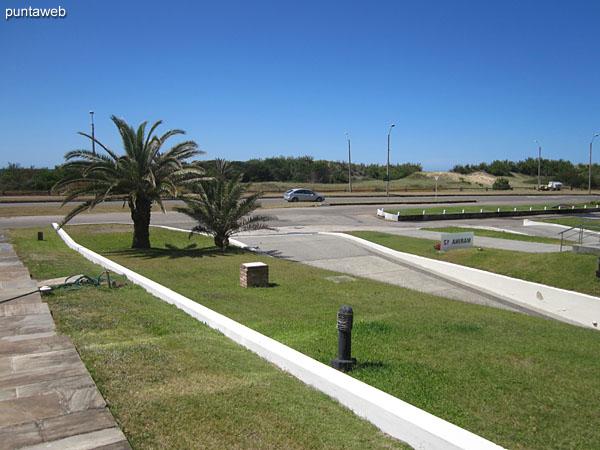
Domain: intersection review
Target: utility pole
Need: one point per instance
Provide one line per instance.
(93, 140)
(349, 162)
(539, 161)
(590, 168)
(387, 172)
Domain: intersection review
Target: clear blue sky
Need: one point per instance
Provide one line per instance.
(464, 81)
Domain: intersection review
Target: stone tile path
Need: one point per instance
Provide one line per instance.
(47, 398)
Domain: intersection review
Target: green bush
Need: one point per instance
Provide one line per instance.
(501, 184)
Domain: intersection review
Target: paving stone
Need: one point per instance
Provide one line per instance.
(19, 297)
(123, 445)
(45, 361)
(13, 273)
(38, 323)
(8, 394)
(76, 423)
(5, 366)
(74, 400)
(23, 309)
(27, 409)
(19, 284)
(28, 378)
(31, 346)
(56, 385)
(24, 337)
(94, 440)
(17, 436)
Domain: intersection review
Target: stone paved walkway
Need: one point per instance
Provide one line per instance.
(47, 398)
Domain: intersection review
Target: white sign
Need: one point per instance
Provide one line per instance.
(437, 177)
(452, 241)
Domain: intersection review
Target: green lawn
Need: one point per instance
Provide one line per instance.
(566, 270)
(487, 208)
(172, 382)
(496, 234)
(588, 224)
(520, 381)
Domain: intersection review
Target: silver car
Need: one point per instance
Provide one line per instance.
(302, 195)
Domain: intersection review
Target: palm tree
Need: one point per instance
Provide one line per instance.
(140, 177)
(221, 210)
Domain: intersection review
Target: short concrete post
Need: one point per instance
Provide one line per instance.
(423, 212)
(530, 208)
(545, 208)
(498, 209)
(463, 211)
(444, 212)
(481, 211)
(344, 361)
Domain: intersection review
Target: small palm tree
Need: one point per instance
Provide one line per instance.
(221, 210)
(140, 177)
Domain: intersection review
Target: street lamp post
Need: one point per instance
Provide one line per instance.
(539, 161)
(590, 168)
(93, 140)
(387, 172)
(349, 162)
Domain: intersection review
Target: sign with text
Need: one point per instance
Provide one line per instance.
(452, 241)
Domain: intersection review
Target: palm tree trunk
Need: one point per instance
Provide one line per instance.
(140, 214)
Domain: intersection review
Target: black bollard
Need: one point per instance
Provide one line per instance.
(344, 361)
(598, 271)
(40, 235)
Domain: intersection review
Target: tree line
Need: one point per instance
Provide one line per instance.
(575, 175)
(302, 169)
(305, 169)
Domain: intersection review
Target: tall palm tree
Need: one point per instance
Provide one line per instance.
(220, 209)
(140, 177)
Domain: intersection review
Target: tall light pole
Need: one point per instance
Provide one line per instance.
(349, 162)
(590, 168)
(387, 172)
(539, 161)
(93, 141)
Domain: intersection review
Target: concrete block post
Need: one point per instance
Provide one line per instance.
(254, 274)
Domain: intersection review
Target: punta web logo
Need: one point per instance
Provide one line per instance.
(35, 13)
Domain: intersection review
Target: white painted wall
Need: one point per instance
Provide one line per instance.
(390, 414)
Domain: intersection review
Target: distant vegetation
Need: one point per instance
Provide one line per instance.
(303, 169)
(559, 170)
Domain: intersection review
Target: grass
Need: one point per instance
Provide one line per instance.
(496, 234)
(172, 382)
(566, 270)
(588, 223)
(484, 208)
(483, 369)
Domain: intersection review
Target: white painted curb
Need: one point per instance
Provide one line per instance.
(393, 416)
(572, 306)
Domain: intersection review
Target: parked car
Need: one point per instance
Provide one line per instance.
(302, 195)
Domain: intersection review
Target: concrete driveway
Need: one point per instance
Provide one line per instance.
(342, 256)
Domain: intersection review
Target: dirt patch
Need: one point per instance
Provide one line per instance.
(474, 178)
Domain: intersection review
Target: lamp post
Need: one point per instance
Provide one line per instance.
(93, 140)
(590, 168)
(349, 162)
(387, 172)
(539, 161)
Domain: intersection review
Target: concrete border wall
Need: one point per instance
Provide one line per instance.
(574, 307)
(485, 215)
(393, 416)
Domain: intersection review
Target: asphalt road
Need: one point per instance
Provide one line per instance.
(318, 217)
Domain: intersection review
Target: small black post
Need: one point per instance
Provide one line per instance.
(344, 361)
(598, 271)
(40, 235)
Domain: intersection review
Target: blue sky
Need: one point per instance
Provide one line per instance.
(464, 81)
